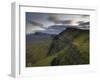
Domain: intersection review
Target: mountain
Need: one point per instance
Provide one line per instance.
(53, 30)
(45, 34)
(69, 47)
(36, 37)
(57, 29)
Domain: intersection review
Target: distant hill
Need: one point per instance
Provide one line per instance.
(53, 30)
(36, 37)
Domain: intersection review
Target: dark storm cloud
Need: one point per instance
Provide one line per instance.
(41, 21)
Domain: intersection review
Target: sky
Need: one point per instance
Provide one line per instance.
(41, 21)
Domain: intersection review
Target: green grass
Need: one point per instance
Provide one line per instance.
(76, 50)
(44, 62)
(37, 51)
(72, 50)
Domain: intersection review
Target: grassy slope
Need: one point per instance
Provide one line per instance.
(36, 52)
(77, 52)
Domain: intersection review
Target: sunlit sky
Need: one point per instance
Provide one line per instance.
(41, 21)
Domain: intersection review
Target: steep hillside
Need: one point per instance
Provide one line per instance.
(70, 47)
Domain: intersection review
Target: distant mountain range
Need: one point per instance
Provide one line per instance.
(51, 31)
(36, 37)
(56, 29)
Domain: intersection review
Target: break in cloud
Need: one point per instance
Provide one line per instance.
(41, 21)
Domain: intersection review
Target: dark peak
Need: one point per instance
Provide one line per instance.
(85, 23)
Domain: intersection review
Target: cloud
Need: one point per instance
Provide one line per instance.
(35, 23)
(30, 28)
(54, 18)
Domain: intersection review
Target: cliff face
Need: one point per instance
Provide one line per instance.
(70, 47)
